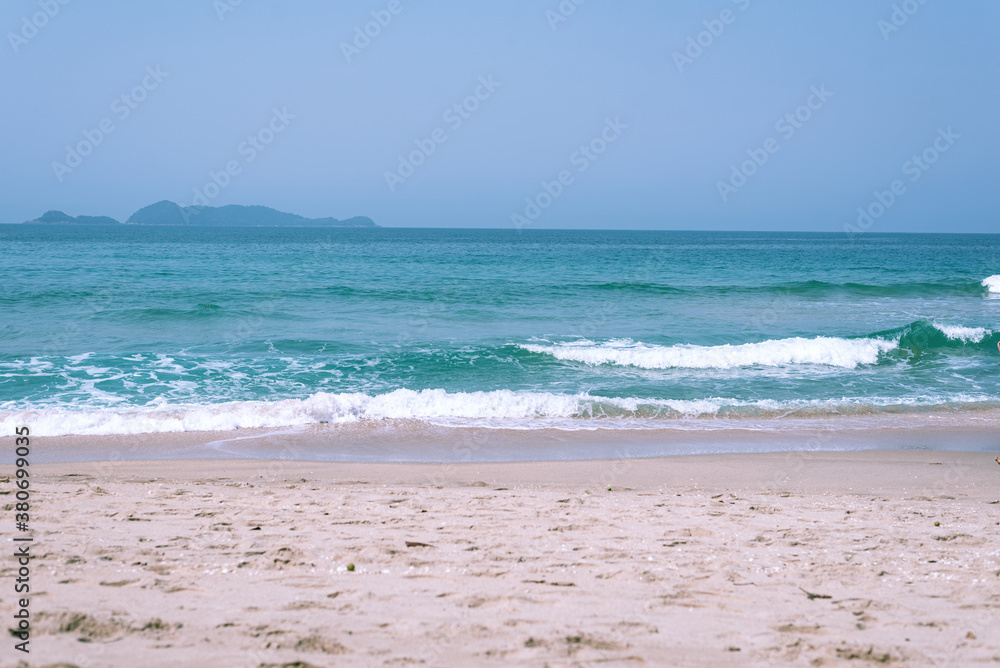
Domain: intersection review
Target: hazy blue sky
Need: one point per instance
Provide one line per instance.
(223, 68)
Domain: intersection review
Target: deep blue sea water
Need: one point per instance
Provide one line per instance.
(156, 329)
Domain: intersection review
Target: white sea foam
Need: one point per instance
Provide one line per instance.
(992, 283)
(964, 334)
(339, 408)
(822, 350)
(500, 408)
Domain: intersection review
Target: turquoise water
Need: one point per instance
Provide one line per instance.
(133, 330)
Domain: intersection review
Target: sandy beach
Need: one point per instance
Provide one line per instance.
(856, 558)
(455, 335)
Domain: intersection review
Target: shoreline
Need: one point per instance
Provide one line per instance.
(412, 441)
(855, 472)
(717, 560)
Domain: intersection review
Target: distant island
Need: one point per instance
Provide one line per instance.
(233, 215)
(60, 218)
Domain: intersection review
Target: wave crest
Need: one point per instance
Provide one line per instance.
(963, 334)
(323, 407)
(498, 408)
(822, 350)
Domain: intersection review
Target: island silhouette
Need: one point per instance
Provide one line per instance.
(231, 215)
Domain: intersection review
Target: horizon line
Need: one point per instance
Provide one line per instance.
(513, 229)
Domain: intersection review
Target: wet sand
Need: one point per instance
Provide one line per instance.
(418, 441)
(721, 560)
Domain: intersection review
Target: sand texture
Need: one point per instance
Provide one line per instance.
(805, 559)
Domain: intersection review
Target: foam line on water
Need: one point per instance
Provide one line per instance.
(503, 408)
(821, 350)
(964, 334)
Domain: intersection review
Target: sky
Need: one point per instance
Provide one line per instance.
(720, 114)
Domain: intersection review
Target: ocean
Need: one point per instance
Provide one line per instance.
(145, 330)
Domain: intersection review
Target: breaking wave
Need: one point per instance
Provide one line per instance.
(845, 353)
(499, 408)
(822, 350)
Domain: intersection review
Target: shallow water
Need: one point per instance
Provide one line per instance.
(155, 329)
